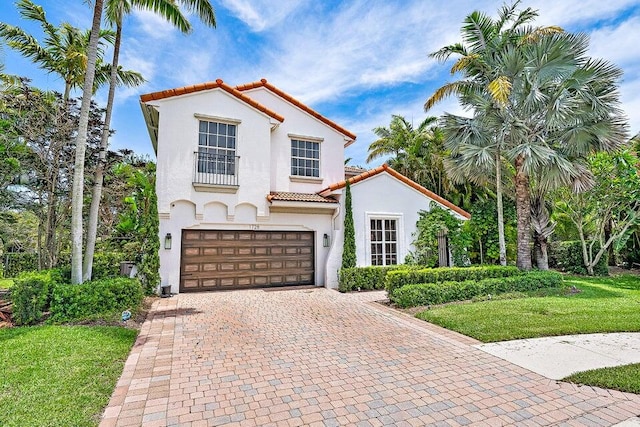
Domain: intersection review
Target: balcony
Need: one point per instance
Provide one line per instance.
(216, 173)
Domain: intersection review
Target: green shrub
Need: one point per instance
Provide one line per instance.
(106, 264)
(441, 292)
(31, 295)
(365, 278)
(98, 299)
(398, 279)
(19, 262)
(567, 256)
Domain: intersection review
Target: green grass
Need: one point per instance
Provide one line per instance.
(59, 375)
(623, 378)
(6, 283)
(605, 304)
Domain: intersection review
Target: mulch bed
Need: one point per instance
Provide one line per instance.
(6, 309)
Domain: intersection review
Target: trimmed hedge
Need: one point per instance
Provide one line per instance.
(31, 295)
(98, 299)
(365, 278)
(567, 256)
(397, 279)
(443, 292)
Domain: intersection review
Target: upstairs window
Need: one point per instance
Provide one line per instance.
(217, 148)
(305, 158)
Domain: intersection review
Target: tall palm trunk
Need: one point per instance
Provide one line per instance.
(500, 208)
(77, 195)
(96, 194)
(523, 213)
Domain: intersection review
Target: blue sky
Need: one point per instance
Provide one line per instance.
(356, 62)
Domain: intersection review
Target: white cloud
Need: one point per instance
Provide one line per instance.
(619, 43)
(153, 26)
(262, 14)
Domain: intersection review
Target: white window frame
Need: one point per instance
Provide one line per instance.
(230, 152)
(400, 236)
(311, 140)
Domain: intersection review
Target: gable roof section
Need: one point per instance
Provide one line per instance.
(169, 93)
(399, 177)
(300, 105)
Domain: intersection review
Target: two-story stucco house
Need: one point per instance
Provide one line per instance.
(249, 184)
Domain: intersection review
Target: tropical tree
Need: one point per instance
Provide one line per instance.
(116, 10)
(63, 50)
(605, 216)
(546, 104)
(415, 151)
(77, 194)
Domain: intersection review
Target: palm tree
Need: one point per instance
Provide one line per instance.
(116, 10)
(545, 102)
(415, 151)
(63, 51)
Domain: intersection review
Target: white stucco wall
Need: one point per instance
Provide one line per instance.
(264, 166)
(182, 216)
(383, 196)
(300, 123)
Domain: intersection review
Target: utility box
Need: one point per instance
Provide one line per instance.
(126, 267)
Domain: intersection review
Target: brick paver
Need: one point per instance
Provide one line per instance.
(310, 357)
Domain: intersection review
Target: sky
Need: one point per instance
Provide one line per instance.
(357, 62)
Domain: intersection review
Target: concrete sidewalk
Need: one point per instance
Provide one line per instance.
(559, 357)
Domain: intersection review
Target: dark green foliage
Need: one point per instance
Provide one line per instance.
(567, 256)
(98, 299)
(19, 262)
(106, 264)
(31, 295)
(365, 278)
(398, 279)
(428, 227)
(443, 292)
(140, 222)
(483, 231)
(349, 249)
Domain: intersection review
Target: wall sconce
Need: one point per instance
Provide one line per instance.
(167, 241)
(325, 240)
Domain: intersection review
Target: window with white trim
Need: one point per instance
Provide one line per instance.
(305, 158)
(217, 148)
(384, 241)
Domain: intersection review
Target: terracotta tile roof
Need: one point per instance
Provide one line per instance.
(299, 197)
(400, 177)
(353, 170)
(207, 86)
(292, 100)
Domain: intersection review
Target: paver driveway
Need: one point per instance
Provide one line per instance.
(317, 357)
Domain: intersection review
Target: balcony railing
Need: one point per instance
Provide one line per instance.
(215, 169)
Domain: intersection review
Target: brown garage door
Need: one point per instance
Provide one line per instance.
(226, 259)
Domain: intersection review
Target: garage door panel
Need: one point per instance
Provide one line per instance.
(224, 259)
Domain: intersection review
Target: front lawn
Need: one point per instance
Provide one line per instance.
(59, 375)
(604, 304)
(623, 378)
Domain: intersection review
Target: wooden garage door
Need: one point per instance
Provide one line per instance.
(227, 259)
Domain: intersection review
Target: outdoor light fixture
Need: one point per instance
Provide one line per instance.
(325, 240)
(167, 241)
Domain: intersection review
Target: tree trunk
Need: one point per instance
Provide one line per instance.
(500, 208)
(92, 226)
(523, 213)
(542, 253)
(77, 195)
